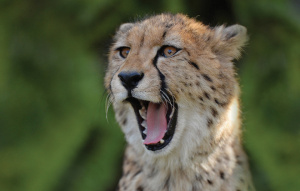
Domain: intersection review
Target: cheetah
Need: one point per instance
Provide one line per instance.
(172, 84)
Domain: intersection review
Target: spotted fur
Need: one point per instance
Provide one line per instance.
(205, 152)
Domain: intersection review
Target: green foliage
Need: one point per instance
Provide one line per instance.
(53, 131)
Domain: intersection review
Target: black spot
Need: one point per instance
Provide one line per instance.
(197, 83)
(214, 112)
(206, 77)
(164, 35)
(194, 64)
(124, 122)
(121, 112)
(239, 162)
(138, 172)
(238, 190)
(213, 88)
(133, 162)
(210, 182)
(219, 103)
(222, 175)
(207, 95)
(209, 122)
(200, 98)
(169, 25)
(140, 188)
(242, 180)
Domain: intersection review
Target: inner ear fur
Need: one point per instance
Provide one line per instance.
(227, 42)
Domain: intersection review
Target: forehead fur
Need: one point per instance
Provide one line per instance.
(160, 27)
(180, 30)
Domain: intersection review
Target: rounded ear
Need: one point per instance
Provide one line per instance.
(229, 41)
(122, 30)
(125, 27)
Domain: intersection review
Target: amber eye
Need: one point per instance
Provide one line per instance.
(169, 51)
(124, 51)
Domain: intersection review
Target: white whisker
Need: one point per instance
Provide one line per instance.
(108, 103)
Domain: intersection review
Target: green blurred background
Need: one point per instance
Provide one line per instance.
(53, 132)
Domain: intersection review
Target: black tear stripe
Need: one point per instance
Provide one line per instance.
(162, 77)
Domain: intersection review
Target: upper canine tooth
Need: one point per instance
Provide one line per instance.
(143, 113)
(162, 141)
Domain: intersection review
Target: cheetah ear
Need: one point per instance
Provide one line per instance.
(229, 41)
(122, 30)
(125, 27)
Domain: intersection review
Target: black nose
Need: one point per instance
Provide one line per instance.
(130, 79)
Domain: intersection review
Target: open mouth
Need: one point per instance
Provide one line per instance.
(157, 122)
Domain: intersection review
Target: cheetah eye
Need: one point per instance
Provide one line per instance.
(124, 51)
(168, 51)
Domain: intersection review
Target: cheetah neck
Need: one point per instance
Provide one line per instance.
(206, 167)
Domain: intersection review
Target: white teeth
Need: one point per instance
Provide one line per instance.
(172, 113)
(161, 141)
(144, 124)
(143, 113)
(145, 131)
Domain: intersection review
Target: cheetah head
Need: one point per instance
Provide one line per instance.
(170, 79)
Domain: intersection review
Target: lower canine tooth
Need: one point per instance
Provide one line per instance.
(144, 124)
(161, 141)
(172, 113)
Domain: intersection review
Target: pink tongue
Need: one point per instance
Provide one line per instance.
(156, 123)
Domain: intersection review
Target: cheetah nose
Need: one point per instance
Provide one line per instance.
(130, 79)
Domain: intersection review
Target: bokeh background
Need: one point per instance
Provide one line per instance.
(54, 135)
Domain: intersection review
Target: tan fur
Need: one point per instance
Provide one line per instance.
(205, 152)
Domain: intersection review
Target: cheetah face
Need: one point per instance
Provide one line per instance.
(169, 78)
(155, 110)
